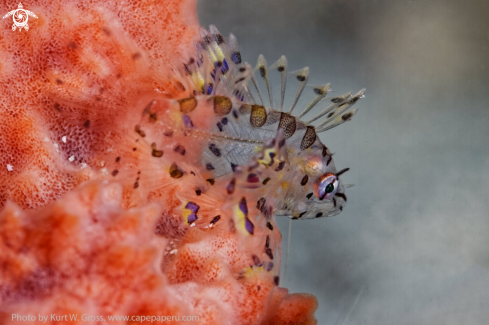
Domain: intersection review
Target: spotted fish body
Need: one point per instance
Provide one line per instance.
(219, 111)
(224, 145)
(233, 160)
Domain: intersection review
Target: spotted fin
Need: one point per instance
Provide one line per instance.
(252, 191)
(216, 68)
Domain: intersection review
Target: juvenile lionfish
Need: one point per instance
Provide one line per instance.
(233, 159)
(277, 157)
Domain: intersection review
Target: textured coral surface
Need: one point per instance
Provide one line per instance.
(69, 244)
(99, 259)
(32, 129)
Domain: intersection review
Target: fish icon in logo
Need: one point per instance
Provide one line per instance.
(20, 17)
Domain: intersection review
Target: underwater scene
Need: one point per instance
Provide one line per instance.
(410, 246)
(244, 162)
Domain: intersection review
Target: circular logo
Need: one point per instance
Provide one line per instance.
(20, 17)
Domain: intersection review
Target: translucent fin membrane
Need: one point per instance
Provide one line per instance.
(257, 88)
(262, 67)
(321, 91)
(302, 75)
(281, 66)
(336, 101)
(216, 68)
(341, 114)
(339, 111)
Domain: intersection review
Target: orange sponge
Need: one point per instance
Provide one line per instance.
(37, 143)
(73, 244)
(85, 255)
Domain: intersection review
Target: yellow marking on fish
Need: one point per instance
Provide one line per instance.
(266, 160)
(176, 118)
(185, 212)
(211, 55)
(240, 220)
(285, 185)
(253, 271)
(198, 80)
(218, 51)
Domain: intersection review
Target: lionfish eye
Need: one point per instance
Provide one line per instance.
(329, 188)
(325, 186)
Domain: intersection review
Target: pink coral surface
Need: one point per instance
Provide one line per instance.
(73, 243)
(102, 260)
(30, 61)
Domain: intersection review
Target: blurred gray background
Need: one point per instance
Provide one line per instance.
(412, 245)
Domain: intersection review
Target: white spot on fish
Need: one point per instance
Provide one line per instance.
(72, 158)
(10, 167)
(63, 139)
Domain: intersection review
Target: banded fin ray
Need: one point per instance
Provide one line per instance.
(220, 50)
(281, 66)
(321, 91)
(335, 103)
(342, 113)
(253, 209)
(262, 67)
(302, 76)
